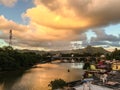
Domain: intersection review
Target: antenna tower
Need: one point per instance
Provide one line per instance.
(10, 37)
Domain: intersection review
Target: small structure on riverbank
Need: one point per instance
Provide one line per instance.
(93, 87)
(112, 83)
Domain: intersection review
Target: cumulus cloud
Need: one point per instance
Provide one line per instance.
(104, 39)
(19, 30)
(9, 24)
(49, 45)
(62, 18)
(75, 14)
(34, 35)
(58, 22)
(102, 36)
(8, 3)
(68, 19)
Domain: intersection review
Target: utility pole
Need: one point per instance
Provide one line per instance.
(10, 38)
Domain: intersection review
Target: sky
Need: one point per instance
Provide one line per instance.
(60, 24)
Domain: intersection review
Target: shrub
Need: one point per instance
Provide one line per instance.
(57, 83)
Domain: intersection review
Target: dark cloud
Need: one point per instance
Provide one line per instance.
(59, 22)
(53, 45)
(80, 6)
(96, 12)
(104, 39)
(102, 36)
(56, 45)
(51, 4)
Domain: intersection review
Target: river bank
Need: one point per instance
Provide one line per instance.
(38, 78)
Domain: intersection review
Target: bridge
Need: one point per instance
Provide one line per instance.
(71, 59)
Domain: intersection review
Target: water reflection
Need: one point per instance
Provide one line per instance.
(38, 78)
(7, 80)
(77, 65)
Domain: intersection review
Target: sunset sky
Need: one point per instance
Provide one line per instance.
(60, 24)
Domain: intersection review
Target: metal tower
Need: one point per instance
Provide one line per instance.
(10, 37)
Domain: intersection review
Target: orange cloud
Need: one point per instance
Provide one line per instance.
(34, 31)
(43, 16)
(40, 33)
(57, 20)
(74, 14)
(8, 3)
(9, 24)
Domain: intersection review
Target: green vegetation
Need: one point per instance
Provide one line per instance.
(114, 55)
(57, 83)
(11, 59)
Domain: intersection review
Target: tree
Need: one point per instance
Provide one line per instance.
(57, 83)
(115, 54)
(11, 59)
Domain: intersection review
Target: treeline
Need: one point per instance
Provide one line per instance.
(109, 56)
(113, 55)
(11, 59)
(82, 55)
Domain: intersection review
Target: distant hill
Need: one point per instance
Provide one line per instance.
(88, 49)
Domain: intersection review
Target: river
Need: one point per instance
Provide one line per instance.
(38, 78)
